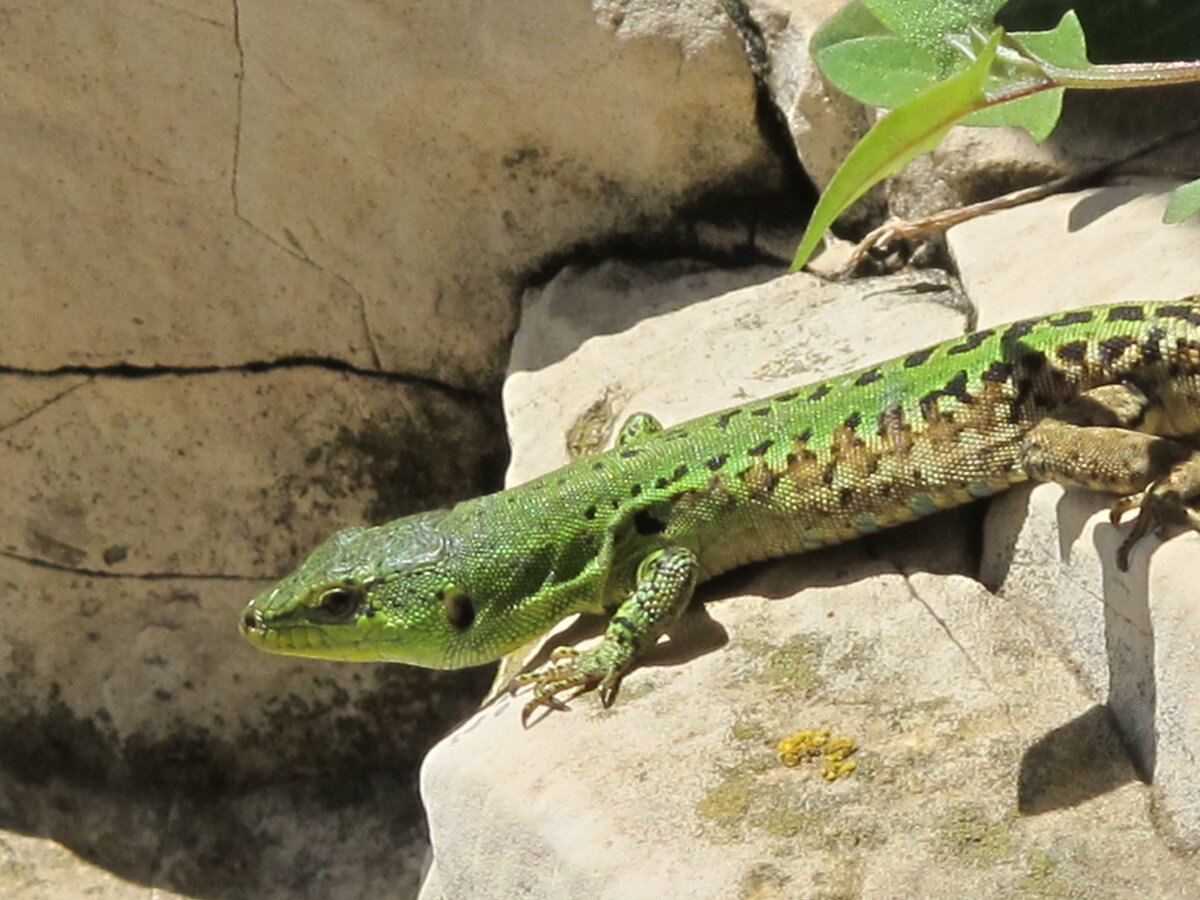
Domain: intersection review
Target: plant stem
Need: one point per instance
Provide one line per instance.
(1125, 75)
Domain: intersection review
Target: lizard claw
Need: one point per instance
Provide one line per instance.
(550, 704)
(569, 668)
(1123, 505)
(665, 581)
(1165, 502)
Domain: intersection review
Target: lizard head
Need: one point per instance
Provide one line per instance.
(382, 594)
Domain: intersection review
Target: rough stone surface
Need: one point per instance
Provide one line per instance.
(823, 122)
(136, 727)
(983, 771)
(139, 491)
(1107, 244)
(124, 242)
(1171, 744)
(334, 831)
(973, 164)
(39, 869)
(223, 182)
(1130, 636)
(431, 155)
(1031, 532)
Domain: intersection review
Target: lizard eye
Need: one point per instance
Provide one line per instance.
(460, 609)
(338, 602)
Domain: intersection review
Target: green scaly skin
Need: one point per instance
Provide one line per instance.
(1104, 397)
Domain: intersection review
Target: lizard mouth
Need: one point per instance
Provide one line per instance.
(297, 639)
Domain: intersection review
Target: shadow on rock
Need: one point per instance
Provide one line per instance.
(1074, 763)
(348, 833)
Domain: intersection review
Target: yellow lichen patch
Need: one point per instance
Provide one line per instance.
(816, 744)
(835, 762)
(801, 746)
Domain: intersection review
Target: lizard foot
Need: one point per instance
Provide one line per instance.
(665, 580)
(1159, 507)
(570, 668)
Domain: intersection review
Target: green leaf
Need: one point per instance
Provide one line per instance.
(1038, 113)
(886, 52)
(1064, 45)
(905, 133)
(851, 21)
(1185, 202)
(882, 70)
(926, 21)
(855, 70)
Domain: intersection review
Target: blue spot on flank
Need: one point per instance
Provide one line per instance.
(865, 524)
(979, 489)
(922, 504)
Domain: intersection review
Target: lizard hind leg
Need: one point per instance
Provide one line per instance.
(665, 582)
(1091, 443)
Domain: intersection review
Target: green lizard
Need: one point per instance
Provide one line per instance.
(1106, 397)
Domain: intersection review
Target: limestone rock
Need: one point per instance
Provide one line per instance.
(431, 156)
(212, 184)
(982, 770)
(136, 727)
(823, 122)
(147, 520)
(1101, 245)
(39, 869)
(1130, 636)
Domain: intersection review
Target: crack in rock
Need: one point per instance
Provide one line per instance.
(132, 576)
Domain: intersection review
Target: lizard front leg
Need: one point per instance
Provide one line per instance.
(665, 582)
(1089, 443)
(637, 427)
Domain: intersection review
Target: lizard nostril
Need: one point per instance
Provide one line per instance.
(251, 621)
